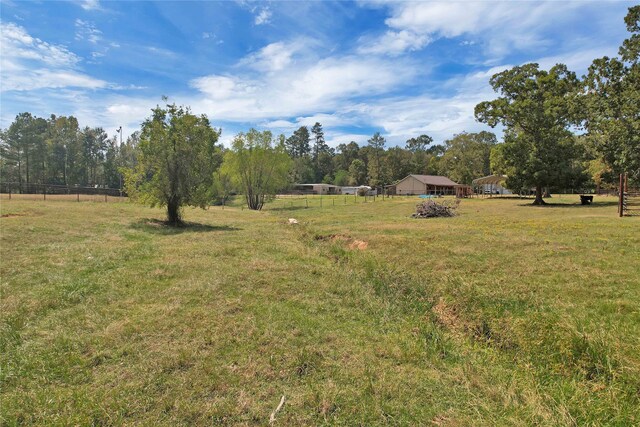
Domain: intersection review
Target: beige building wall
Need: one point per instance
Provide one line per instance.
(410, 186)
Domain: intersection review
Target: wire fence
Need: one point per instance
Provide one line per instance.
(24, 191)
(294, 201)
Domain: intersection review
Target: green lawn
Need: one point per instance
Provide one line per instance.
(505, 315)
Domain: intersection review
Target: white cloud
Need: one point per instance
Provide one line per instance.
(17, 44)
(47, 78)
(87, 31)
(503, 26)
(90, 5)
(308, 88)
(394, 43)
(223, 87)
(28, 63)
(263, 17)
(274, 56)
(578, 61)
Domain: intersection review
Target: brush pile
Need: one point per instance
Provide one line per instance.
(432, 209)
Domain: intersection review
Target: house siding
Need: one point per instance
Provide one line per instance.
(410, 186)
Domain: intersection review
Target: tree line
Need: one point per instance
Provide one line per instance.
(57, 151)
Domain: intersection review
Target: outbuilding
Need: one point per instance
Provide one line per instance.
(317, 189)
(426, 184)
(491, 184)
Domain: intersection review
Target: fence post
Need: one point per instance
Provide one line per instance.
(78, 196)
(621, 196)
(105, 197)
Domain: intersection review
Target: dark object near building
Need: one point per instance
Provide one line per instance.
(586, 200)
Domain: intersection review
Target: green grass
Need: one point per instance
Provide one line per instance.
(505, 315)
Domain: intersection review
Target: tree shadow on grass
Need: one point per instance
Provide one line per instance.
(291, 208)
(595, 204)
(156, 226)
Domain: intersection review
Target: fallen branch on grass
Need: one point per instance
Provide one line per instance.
(272, 418)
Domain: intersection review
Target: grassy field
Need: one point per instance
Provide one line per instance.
(359, 315)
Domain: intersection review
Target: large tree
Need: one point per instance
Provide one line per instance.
(347, 153)
(376, 150)
(66, 164)
(322, 153)
(24, 148)
(94, 142)
(298, 143)
(177, 158)
(418, 144)
(612, 100)
(537, 109)
(468, 156)
(357, 172)
(258, 165)
(396, 163)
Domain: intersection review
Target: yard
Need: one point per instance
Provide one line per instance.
(507, 314)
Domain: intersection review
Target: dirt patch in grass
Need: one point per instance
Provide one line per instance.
(353, 244)
(358, 244)
(447, 316)
(11, 215)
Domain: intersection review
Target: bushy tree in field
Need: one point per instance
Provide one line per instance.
(258, 165)
(177, 157)
(537, 108)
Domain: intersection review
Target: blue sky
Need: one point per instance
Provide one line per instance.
(402, 69)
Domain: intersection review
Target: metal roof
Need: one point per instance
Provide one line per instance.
(490, 179)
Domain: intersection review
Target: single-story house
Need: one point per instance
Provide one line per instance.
(317, 189)
(426, 184)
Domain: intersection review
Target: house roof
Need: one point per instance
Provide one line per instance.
(321, 184)
(441, 181)
(491, 179)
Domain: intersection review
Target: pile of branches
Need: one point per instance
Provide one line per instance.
(432, 209)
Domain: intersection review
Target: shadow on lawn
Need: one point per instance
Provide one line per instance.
(156, 226)
(290, 208)
(595, 204)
